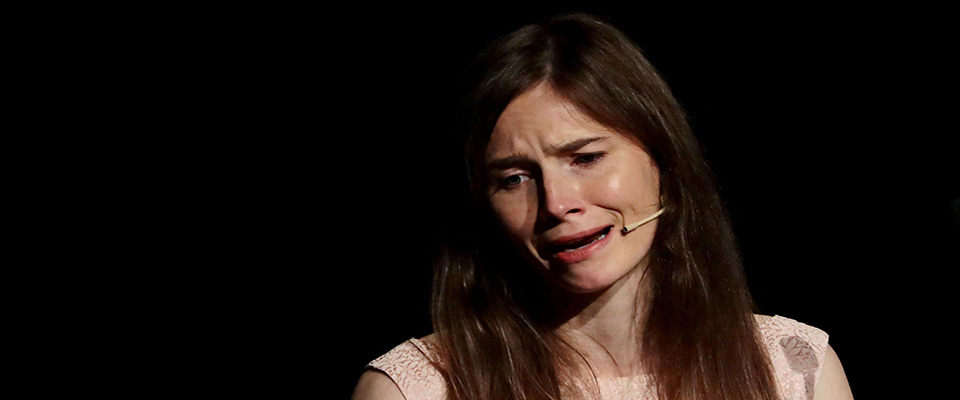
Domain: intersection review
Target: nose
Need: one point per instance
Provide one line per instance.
(560, 197)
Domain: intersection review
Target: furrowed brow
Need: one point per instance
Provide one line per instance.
(520, 160)
(508, 162)
(573, 146)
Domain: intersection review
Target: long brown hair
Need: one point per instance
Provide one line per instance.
(699, 336)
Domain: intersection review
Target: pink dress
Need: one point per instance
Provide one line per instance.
(796, 351)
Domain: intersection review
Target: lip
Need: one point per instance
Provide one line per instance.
(581, 254)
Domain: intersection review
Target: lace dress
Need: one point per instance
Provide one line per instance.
(795, 349)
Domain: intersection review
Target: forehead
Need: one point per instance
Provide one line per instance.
(537, 119)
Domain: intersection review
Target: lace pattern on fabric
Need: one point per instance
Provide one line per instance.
(796, 351)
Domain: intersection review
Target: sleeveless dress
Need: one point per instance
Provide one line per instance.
(796, 352)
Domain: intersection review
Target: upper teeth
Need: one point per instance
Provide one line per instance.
(603, 235)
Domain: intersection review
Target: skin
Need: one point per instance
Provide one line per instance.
(375, 385)
(832, 384)
(553, 188)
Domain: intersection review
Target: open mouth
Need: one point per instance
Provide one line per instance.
(581, 242)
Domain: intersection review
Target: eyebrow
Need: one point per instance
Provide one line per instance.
(569, 147)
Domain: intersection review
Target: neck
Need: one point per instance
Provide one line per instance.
(603, 325)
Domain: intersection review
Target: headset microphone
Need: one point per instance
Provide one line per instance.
(635, 225)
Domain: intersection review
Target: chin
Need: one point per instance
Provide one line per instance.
(589, 279)
(584, 284)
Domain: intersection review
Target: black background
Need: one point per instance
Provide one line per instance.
(829, 130)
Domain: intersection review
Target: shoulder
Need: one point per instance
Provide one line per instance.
(412, 368)
(786, 332)
(797, 353)
(420, 353)
(376, 385)
(833, 382)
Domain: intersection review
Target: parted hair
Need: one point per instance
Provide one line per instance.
(699, 336)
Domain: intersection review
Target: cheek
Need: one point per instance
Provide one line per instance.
(630, 191)
(515, 213)
(616, 188)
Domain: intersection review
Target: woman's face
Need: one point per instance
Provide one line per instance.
(563, 186)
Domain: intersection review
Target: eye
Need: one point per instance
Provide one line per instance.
(515, 180)
(586, 159)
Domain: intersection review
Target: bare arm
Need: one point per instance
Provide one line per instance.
(833, 383)
(376, 385)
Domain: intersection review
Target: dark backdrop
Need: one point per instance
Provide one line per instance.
(824, 126)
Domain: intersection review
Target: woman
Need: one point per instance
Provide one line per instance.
(600, 263)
